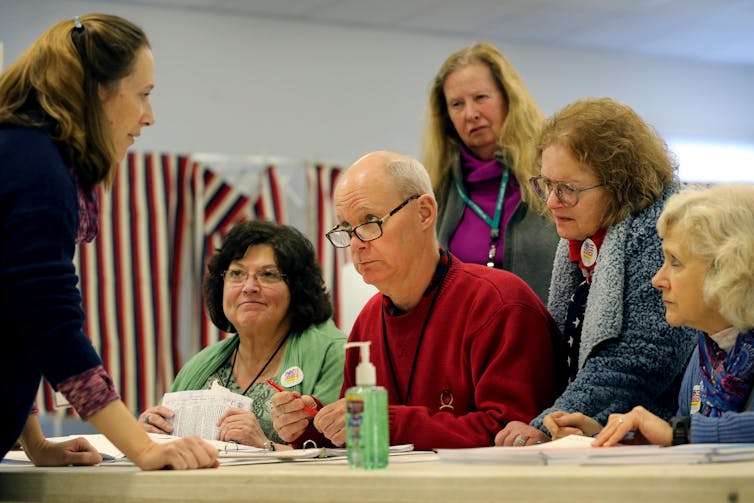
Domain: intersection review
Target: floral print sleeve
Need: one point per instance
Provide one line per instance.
(89, 391)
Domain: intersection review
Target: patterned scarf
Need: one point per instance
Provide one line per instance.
(577, 303)
(88, 212)
(573, 325)
(727, 377)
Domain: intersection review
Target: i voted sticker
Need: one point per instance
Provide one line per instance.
(696, 399)
(588, 253)
(291, 377)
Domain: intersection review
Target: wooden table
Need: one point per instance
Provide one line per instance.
(429, 481)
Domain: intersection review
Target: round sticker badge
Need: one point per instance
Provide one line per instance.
(291, 377)
(696, 399)
(588, 253)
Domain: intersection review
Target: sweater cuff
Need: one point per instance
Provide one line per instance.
(89, 392)
(392, 418)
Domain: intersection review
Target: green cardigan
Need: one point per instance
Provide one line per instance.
(318, 351)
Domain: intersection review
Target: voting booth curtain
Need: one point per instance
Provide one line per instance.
(163, 218)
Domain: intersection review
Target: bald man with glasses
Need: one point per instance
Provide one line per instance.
(461, 348)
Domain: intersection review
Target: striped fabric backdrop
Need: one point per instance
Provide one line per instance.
(141, 277)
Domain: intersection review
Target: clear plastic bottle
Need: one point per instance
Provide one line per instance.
(367, 436)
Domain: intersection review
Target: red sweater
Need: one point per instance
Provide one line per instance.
(490, 350)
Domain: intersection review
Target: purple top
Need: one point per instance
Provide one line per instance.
(471, 240)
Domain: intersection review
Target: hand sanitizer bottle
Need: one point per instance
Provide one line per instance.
(367, 436)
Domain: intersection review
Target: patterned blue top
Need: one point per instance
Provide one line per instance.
(730, 427)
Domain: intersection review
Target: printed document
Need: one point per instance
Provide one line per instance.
(197, 411)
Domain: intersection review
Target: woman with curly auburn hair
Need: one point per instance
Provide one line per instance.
(604, 176)
(481, 125)
(263, 284)
(70, 106)
(706, 283)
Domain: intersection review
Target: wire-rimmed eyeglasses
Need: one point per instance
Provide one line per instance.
(235, 276)
(368, 231)
(567, 194)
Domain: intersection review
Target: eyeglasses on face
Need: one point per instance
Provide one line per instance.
(268, 276)
(567, 194)
(368, 231)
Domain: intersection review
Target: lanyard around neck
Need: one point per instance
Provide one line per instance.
(401, 399)
(233, 366)
(494, 221)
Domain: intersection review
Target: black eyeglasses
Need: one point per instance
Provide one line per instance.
(368, 231)
(567, 194)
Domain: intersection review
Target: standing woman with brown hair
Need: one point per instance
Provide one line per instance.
(478, 149)
(70, 106)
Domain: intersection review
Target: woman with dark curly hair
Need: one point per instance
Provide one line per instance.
(265, 285)
(605, 175)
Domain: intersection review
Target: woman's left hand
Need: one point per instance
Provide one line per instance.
(646, 428)
(241, 426)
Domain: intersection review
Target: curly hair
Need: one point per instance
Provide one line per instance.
(294, 256)
(55, 83)
(441, 140)
(618, 147)
(717, 225)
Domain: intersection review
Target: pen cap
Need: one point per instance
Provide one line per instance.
(366, 375)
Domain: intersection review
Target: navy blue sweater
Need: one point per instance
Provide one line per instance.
(40, 304)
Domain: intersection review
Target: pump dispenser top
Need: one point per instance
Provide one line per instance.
(366, 375)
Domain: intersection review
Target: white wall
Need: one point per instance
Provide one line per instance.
(241, 85)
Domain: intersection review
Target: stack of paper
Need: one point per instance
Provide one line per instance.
(197, 411)
(577, 450)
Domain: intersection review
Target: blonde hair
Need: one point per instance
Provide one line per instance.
(621, 150)
(441, 141)
(55, 83)
(717, 226)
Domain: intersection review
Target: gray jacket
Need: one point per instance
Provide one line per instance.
(629, 355)
(530, 238)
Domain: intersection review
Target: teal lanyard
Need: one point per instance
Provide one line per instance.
(493, 222)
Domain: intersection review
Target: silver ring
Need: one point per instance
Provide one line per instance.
(146, 419)
(520, 440)
(620, 420)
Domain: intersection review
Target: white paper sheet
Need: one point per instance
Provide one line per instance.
(197, 411)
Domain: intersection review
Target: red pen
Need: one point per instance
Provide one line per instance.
(272, 383)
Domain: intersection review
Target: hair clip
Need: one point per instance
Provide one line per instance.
(77, 23)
